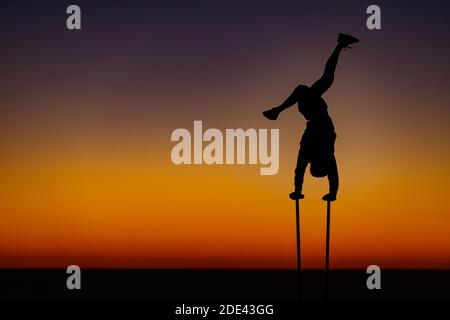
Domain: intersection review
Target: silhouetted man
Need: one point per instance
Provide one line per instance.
(317, 143)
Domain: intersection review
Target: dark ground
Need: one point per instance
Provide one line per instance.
(167, 285)
(167, 289)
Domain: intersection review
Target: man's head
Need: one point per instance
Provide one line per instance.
(318, 168)
(320, 164)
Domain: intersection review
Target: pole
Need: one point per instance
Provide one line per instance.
(299, 265)
(327, 248)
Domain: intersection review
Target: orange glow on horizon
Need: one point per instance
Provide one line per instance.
(116, 209)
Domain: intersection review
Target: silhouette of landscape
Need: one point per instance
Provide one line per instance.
(222, 285)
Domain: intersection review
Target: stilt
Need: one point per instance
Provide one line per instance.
(299, 265)
(327, 253)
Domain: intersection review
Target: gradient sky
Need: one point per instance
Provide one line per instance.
(86, 118)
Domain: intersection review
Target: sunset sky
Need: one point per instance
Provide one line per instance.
(86, 118)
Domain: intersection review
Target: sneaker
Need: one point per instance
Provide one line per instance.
(346, 40)
(271, 114)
